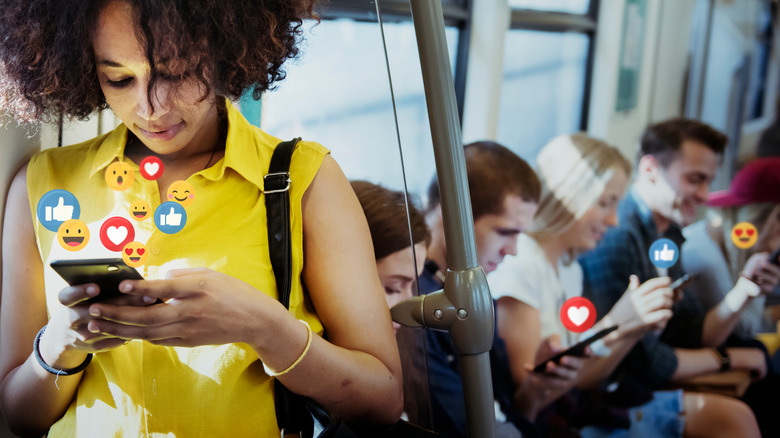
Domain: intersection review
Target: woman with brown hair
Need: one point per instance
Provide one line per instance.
(193, 349)
(401, 238)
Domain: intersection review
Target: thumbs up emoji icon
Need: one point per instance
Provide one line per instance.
(664, 253)
(170, 217)
(56, 207)
(60, 212)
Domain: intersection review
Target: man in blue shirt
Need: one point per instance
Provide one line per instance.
(504, 195)
(678, 160)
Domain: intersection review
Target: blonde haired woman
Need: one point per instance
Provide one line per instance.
(583, 179)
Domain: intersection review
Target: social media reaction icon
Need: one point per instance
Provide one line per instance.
(170, 217)
(140, 210)
(134, 254)
(181, 192)
(119, 175)
(116, 232)
(664, 253)
(744, 235)
(578, 314)
(73, 235)
(56, 207)
(151, 168)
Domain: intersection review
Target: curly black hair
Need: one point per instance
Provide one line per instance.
(47, 66)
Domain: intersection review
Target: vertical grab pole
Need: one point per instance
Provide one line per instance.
(466, 286)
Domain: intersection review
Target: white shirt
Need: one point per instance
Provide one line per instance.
(530, 278)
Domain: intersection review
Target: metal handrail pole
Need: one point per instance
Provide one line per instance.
(471, 326)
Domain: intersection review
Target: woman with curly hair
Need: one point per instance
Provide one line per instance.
(194, 348)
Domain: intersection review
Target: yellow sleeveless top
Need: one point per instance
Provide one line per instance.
(142, 389)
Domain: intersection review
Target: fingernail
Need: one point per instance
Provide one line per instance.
(93, 328)
(127, 287)
(94, 311)
(149, 300)
(92, 291)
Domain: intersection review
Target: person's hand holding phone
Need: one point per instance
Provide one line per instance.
(643, 307)
(199, 307)
(540, 388)
(761, 270)
(77, 300)
(68, 326)
(67, 339)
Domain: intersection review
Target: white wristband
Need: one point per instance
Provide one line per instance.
(743, 290)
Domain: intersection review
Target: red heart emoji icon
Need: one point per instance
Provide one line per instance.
(128, 251)
(141, 251)
(738, 232)
(750, 232)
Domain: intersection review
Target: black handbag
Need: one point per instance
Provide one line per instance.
(297, 415)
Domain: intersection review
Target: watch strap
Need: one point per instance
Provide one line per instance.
(723, 356)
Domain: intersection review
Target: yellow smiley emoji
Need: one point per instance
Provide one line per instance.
(73, 235)
(134, 254)
(139, 210)
(744, 235)
(181, 192)
(119, 175)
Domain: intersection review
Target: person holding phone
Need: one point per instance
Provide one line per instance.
(709, 251)
(504, 193)
(677, 161)
(583, 179)
(203, 360)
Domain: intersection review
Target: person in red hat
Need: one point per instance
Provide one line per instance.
(713, 255)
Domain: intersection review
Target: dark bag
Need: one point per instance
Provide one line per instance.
(297, 415)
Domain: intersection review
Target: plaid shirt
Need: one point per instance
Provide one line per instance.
(623, 251)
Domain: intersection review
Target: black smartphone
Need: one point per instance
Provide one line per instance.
(575, 350)
(106, 273)
(683, 281)
(774, 258)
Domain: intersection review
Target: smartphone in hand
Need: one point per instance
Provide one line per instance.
(106, 273)
(577, 349)
(681, 282)
(774, 258)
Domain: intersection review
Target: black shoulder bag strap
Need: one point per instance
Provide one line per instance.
(292, 417)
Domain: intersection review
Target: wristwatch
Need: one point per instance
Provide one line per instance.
(723, 357)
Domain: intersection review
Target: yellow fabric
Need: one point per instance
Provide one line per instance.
(146, 390)
(771, 340)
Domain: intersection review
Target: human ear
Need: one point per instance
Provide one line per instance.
(649, 167)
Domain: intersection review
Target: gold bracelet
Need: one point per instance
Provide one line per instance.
(309, 335)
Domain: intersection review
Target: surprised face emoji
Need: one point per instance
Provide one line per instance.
(120, 176)
(744, 235)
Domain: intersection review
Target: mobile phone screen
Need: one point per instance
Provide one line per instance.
(774, 258)
(682, 281)
(106, 273)
(575, 350)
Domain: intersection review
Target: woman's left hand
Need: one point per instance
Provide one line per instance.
(199, 307)
(761, 271)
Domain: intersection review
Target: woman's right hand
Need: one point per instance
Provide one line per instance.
(540, 389)
(66, 341)
(643, 308)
